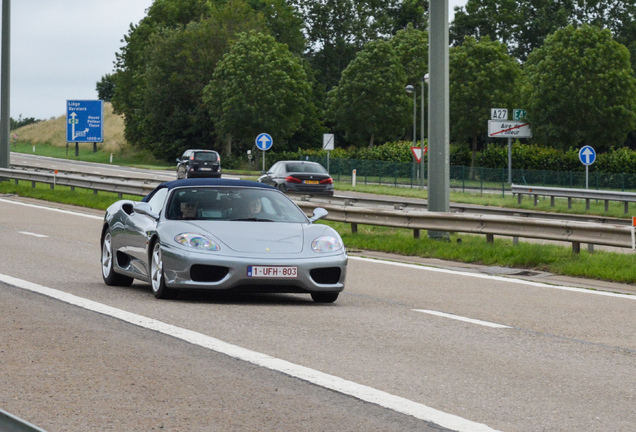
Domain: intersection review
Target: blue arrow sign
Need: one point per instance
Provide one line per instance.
(84, 121)
(587, 155)
(264, 141)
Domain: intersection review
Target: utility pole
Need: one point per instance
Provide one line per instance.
(5, 115)
(438, 112)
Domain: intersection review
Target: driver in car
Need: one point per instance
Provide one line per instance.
(189, 209)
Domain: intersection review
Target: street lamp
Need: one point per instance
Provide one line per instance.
(410, 89)
(422, 129)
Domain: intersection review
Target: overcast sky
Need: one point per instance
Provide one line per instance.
(61, 48)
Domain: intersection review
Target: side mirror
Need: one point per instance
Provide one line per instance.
(319, 213)
(145, 209)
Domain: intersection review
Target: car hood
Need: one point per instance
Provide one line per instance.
(257, 237)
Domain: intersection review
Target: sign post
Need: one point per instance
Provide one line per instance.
(500, 127)
(264, 142)
(587, 155)
(328, 144)
(84, 122)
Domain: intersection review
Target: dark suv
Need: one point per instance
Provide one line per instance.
(199, 163)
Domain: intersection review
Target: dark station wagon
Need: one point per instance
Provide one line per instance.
(199, 164)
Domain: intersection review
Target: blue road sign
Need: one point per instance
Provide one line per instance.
(587, 155)
(84, 121)
(264, 141)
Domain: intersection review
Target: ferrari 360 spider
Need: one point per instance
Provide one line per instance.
(221, 234)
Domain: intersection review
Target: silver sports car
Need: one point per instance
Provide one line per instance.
(221, 234)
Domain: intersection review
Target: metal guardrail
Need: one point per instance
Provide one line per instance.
(11, 423)
(586, 194)
(117, 185)
(509, 226)
(401, 216)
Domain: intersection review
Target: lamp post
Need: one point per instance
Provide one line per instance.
(422, 128)
(410, 89)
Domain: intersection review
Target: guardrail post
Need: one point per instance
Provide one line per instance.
(536, 200)
(587, 203)
(519, 198)
(569, 202)
(490, 238)
(416, 233)
(354, 228)
(626, 207)
(590, 248)
(552, 201)
(576, 247)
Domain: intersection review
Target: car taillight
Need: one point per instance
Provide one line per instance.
(327, 181)
(291, 179)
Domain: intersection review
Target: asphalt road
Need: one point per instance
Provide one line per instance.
(408, 346)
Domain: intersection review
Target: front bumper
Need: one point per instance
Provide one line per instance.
(225, 273)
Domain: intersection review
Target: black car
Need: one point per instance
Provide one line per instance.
(199, 163)
(300, 177)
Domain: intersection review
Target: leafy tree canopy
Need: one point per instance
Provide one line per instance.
(370, 102)
(258, 86)
(482, 76)
(580, 89)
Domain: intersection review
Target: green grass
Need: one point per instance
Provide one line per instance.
(473, 249)
(618, 267)
(63, 194)
(128, 156)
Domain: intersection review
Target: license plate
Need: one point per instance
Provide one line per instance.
(272, 272)
(311, 181)
(206, 169)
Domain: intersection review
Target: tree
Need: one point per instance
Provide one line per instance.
(521, 25)
(370, 102)
(180, 62)
(482, 76)
(105, 88)
(580, 89)
(131, 62)
(337, 29)
(170, 56)
(258, 86)
(411, 47)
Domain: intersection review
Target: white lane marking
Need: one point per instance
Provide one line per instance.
(461, 318)
(52, 209)
(32, 234)
(331, 382)
(497, 278)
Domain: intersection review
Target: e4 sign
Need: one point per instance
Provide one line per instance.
(84, 121)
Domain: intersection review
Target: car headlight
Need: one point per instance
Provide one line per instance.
(197, 241)
(326, 244)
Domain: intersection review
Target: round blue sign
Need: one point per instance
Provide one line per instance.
(587, 155)
(264, 141)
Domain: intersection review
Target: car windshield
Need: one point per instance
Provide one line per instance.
(232, 204)
(205, 156)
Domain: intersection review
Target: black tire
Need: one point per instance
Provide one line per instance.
(157, 279)
(324, 297)
(108, 273)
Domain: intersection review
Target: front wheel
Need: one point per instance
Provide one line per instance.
(157, 279)
(108, 273)
(324, 297)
